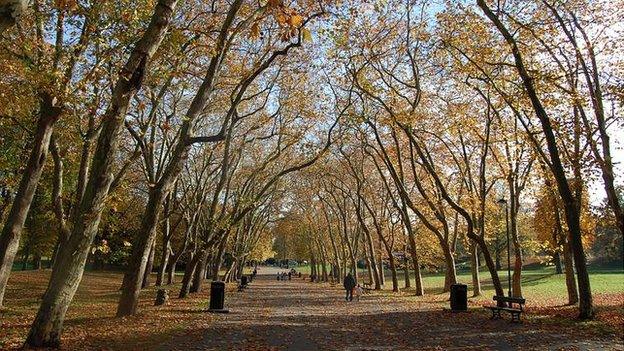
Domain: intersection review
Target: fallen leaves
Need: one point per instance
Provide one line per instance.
(297, 314)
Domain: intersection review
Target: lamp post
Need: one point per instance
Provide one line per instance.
(503, 203)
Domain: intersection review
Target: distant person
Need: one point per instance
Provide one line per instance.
(358, 292)
(289, 275)
(349, 285)
(255, 272)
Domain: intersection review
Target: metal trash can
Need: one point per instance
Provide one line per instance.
(243, 280)
(217, 297)
(459, 297)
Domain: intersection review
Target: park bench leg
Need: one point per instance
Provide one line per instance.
(515, 317)
(496, 314)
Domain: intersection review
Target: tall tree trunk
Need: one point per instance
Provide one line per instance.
(372, 261)
(218, 260)
(25, 256)
(420, 288)
(474, 268)
(569, 274)
(490, 264)
(66, 275)
(420, 291)
(391, 261)
(189, 271)
(149, 267)
(133, 278)
(393, 270)
(557, 262)
(37, 262)
(382, 275)
(200, 272)
(312, 268)
(164, 260)
(173, 262)
(324, 268)
(450, 277)
(407, 275)
(368, 268)
(14, 223)
(166, 244)
(513, 227)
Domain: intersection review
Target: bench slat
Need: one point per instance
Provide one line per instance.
(503, 309)
(509, 299)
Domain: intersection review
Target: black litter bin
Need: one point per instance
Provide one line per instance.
(459, 297)
(217, 297)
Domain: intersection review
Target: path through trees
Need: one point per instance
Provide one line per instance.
(300, 315)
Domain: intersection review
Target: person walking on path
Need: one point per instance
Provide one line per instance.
(349, 285)
(358, 292)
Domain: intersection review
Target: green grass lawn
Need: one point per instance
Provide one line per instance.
(537, 282)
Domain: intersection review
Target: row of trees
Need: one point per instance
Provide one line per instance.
(195, 132)
(448, 119)
(191, 109)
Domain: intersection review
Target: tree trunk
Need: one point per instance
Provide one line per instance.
(149, 267)
(133, 279)
(312, 268)
(474, 268)
(37, 262)
(393, 270)
(382, 275)
(200, 272)
(189, 271)
(450, 277)
(407, 276)
(324, 269)
(516, 280)
(569, 274)
(557, 262)
(517, 271)
(497, 255)
(25, 258)
(173, 262)
(164, 260)
(227, 277)
(490, 264)
(368, 266)
(420, 291)
(166, 247)
(14, 223)
(373, 262)
(66, 276)
(218, 260)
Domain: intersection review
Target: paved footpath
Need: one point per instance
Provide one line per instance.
(299, 315)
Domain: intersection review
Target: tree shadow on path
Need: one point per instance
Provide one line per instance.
(297, 315)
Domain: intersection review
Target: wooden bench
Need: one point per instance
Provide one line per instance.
(513, 305)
